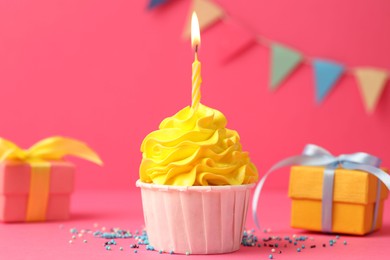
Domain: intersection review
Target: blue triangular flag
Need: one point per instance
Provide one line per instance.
(326, 75)
(153, 3)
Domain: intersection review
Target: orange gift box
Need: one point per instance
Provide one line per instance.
(354, 196)
(16, 184)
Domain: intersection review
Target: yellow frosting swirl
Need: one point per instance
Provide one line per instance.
(193, 147)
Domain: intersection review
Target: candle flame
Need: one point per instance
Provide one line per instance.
(195, 32)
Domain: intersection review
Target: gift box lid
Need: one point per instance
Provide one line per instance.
(15, 178)
(349, 185)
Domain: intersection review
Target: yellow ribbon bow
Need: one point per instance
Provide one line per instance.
(39, 157)
(49, 149)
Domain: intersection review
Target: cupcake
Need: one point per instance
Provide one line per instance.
(195, 182)
(195, 179)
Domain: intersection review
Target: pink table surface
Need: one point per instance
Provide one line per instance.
(123, 209)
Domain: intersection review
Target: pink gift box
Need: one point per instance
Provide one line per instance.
(15, 186)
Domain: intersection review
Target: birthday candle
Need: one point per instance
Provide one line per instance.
(196, 65)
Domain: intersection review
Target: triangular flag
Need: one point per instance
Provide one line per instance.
(154, 3)
(284, 61)
(326, 75)
(371, 83)
(208, 14)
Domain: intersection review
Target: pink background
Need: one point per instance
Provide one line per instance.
(107, 72)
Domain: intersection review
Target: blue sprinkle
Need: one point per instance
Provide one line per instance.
(295, 243)
(171, 252)
(135, 251)
(270, 256)
(337, 237)
(276, 245)
(298, 249)
(160, 251)
(108, 248)
(303, 246)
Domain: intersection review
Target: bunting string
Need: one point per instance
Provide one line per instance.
(285, 59)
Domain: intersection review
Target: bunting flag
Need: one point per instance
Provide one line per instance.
(326, 75)
(208, 14)
(283, 61)
(371, 83)
(154, 3)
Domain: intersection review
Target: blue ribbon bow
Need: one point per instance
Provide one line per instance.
(314, 155)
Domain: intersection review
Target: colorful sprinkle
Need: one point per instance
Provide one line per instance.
(73, 231)
(249, 239)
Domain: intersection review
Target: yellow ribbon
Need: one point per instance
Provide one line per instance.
(39, 157)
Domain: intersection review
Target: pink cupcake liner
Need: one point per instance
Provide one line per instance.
(197, 219)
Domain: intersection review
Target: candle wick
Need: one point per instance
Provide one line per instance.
(196, 52)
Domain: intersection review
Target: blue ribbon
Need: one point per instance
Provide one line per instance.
(314, 155)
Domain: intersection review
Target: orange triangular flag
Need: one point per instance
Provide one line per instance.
(371, 83)
(208, 14)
